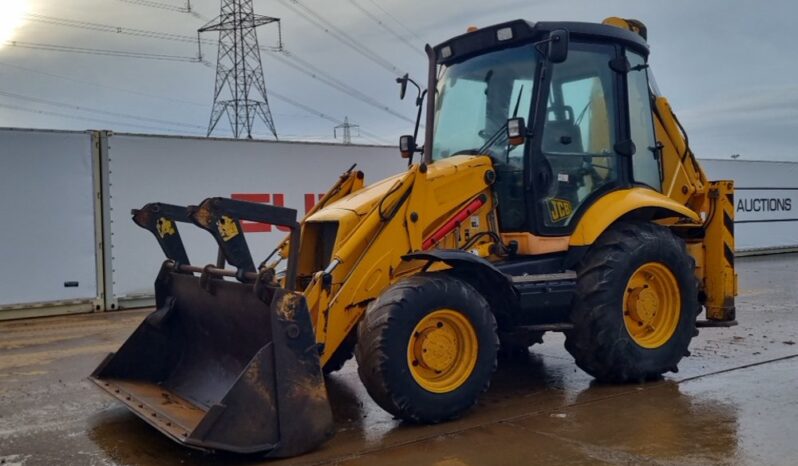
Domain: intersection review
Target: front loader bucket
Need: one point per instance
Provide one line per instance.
(224, 365)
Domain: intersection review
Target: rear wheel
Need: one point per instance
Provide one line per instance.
(427, 348)
(636, 304)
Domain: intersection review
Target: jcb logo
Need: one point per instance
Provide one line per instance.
(227, 228)
(560, 209)
(165, 227)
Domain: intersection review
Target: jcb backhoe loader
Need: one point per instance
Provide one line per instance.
(555, 191)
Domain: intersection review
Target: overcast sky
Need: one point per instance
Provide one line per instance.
(728, 67)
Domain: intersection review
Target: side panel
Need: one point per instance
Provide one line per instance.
(184, 171)
(48, 252)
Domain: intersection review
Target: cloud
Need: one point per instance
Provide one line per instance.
(761, 106)
(727, 67)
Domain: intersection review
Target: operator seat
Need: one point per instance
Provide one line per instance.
(562, 135)
(563, 149)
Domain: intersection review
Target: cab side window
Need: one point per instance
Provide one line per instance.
(645, 161)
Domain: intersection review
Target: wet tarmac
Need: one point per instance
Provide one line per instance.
(734, 401)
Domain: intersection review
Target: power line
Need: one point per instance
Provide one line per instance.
(86, 118)
(390, 30)
(325, 116)
(39, 100)
(341, 36)
(316, 73)
(113, 29)
(396, 20)
(128, 31)
(103, 86)
(168, 7)
(159, 5)
(284, 57)
(93, 51)
(308, 109)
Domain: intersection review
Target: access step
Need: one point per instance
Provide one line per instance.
(547, 295)
(568, 275)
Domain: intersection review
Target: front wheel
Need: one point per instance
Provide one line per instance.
(636, 303)
(427, 348)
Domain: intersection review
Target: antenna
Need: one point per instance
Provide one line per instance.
(240, 91)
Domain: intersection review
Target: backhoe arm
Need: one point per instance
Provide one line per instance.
(684, 181)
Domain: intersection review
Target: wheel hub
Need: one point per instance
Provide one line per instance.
(442, 351)
(438, 349)
(652, 305)
(643, 304)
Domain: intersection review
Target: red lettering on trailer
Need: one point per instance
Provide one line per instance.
(279, 201)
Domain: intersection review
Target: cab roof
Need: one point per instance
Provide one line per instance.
(522, 31)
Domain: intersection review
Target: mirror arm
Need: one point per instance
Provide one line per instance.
(431, 85)
(418, 88)
(419, 104)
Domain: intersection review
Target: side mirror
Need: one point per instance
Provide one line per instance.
(407, 146)
(402, 85)
(558, 46)
(516, 131)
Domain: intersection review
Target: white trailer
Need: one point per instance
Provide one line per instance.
(184, 171)
(69, 245)
(49, 243)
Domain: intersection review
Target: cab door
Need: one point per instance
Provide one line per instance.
(577, 157)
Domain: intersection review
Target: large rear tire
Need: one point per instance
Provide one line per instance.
(427, 348)
(636, 304)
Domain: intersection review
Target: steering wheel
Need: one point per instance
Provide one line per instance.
(590, 169)
(544, 175)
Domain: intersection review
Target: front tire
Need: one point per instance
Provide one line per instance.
(636, 304)
(341, 355)
(427, 348)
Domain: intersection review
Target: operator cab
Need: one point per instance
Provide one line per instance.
(583, 91)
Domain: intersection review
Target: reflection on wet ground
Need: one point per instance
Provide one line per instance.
(734, 401)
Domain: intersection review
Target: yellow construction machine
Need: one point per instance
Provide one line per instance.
(555, 190)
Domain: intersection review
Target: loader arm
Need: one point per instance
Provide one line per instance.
(712, 246)
(349, 182)
(369, 259)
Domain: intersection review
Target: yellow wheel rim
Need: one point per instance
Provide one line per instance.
(442, 351)
(652, 305)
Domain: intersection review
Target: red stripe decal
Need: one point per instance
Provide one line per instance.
(453, 223)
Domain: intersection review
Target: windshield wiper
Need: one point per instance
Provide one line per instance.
(495, 137)
(518, 101)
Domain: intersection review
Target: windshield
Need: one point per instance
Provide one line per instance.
(476, 97)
